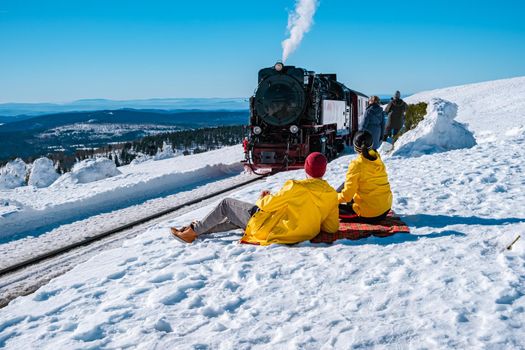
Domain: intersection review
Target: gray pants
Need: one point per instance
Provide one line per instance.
(230, 214)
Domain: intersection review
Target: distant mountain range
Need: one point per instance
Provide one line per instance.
(18, 111)
(73, 130)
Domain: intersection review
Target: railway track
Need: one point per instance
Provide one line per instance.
(26, 276)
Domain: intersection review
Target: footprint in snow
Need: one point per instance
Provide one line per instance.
(162, 278)
(230, 307)
(163, 326)
(490, 179)
(509, 298)
(117, 275)
(43, 296)
(90, 335)
(181, 292)
(128, 260)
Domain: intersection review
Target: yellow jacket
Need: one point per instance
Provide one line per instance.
(298, 212)
(367, 184)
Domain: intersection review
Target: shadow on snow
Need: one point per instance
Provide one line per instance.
(440, 221)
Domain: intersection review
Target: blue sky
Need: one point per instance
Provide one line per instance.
(57, 50)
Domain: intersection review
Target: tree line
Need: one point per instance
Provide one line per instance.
(186, 142)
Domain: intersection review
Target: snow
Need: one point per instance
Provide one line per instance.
(106, 130)
(489, 108)
(43, 173)
(437, 132)
(96, 186)
(13, 174)
(165, 153)
(89, 170)
(449, 284)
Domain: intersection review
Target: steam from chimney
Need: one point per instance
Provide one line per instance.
(299, 23)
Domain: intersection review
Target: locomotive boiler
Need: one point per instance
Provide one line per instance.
(295, 112)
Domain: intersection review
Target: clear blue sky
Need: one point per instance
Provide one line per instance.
(61, 50)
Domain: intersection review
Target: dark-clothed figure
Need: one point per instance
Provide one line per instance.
(374, 120)
(396, 110)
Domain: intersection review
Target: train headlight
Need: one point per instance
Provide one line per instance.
(278, 66)
(294, 129)
(257, 130)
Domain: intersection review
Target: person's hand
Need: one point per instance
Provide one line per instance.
(264, 193)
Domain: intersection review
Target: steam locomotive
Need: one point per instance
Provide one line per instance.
(295, 112)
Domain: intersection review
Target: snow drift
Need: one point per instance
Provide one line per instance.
(89, 170)
(96, 186)
(13, 174)
(488, 107)
(43, 173)
(437, 132)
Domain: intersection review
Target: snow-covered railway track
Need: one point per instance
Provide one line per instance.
(24, 277)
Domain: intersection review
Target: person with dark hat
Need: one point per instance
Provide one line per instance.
(366, 190)
(396, 111)
(298, 212)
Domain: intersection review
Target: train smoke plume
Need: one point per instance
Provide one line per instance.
(299, 23)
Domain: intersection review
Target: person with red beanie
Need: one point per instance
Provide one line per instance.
(296, 213)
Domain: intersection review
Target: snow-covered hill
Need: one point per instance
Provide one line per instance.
(491, 108)
(449, 284)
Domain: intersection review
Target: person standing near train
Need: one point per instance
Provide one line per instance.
(396, 110)
(374, 121)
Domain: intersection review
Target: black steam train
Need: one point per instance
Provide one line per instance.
(295, 112)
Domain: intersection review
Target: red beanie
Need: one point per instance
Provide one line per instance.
(315, 164)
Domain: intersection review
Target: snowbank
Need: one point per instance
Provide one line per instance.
(89, 170)
(489, 108)
(43, 173)
(437, 132)
(13, 174)
(30, 211)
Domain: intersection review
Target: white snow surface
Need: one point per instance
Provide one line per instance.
(165, 153)
(43, 173)
(490, 108)
(449, 284)
(89, 170)
(437, 132)
(13, 174)
(95, 186)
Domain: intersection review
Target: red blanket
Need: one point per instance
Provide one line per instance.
(357, 230)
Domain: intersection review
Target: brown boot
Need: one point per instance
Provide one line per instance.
(186, 235)
(175, 230)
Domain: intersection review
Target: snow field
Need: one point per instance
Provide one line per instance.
(223, 298)
(448, 284)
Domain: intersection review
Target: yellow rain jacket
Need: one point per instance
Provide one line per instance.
(298, 212)
(367, 184)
